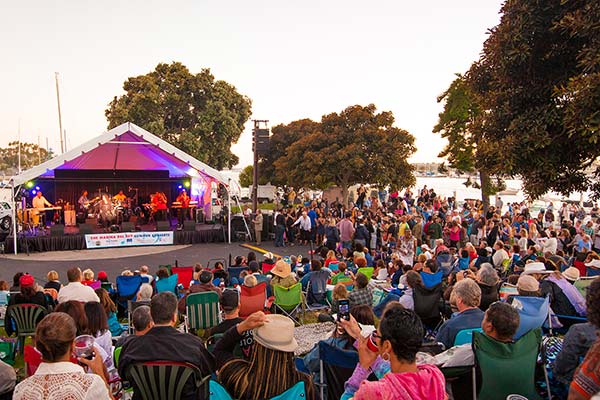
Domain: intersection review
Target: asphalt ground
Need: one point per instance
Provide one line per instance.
(114, 261)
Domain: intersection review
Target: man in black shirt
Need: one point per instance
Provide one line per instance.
(230, 305)
(164, 342)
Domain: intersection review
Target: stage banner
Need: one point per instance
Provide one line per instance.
(127, 239)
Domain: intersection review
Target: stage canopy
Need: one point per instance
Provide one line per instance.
(125, 147)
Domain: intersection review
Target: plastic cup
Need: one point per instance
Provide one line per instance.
(84, 346)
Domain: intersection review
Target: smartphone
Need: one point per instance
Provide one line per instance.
(344, 310)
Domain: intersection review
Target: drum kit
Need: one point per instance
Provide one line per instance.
(110, 211)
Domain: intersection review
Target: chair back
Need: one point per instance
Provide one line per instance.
(202, 310)
(431, 280)
(4, 296)
(507, 290)
(252, 299)
(127, 288)
(106, 286)
(288, 298)
(168, 284)
(533, 312)
(444, 263)
(334, 266)
(26, 317)
(296, 392)
(117, 355)
(582, 284)
(217, 392)
(184, 275)
(367, 271)
(517, 362)
(427, 304)
(164, 380)
(465, 336)
(267, 267)
(234, 272)
(335, 368)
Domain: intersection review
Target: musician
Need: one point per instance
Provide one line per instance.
(184, 211)
(83, 201)
(39, 202)
(159, 206)
(120, 196)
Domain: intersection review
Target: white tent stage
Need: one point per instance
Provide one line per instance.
(126, 158)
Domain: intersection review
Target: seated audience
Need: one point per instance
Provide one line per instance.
(270, 370)
(343, 274)
(465, 297)
(141, 319)
(88, 277)
(75, 290)
(230, 305)
(206, 285)
(98, 328)
(565, 299)
(487, 279)
(53, 282)
(362, 293)
(15, 287)
(8, 379)
(167, 344)
(282, 275)
(501, 322)
(28, 293)
(57, 377)
(145, 292)
(250, 281)
(110, 309)
(144, 273)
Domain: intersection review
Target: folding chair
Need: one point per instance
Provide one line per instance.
(583, 283)
(26, 318)
(165, 380)
(213, 261)
(431, 280)
(267, 267)
(3, 306)
(234, 272)
(107, 286)
(184, 275)
(253, 299)
(316, 291)
(367, 271)
(335, 266)
(517, 361)
(288, 300)
(335, 368)
(533, 312)
(127, 288)
(444, 263)
(95, 285)
(296, 392)
(202, 311)
(465, 336)
(427, 306)
(168, 284)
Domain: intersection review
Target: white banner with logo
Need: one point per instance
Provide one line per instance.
(127, 239)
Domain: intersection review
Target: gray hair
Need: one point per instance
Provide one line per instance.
(468, 291)
(145, 291)
(487, 275)
(141, 318)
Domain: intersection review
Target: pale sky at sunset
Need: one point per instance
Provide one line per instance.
(293, 59)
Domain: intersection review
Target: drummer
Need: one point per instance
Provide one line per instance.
(40, 202)
(120, 197)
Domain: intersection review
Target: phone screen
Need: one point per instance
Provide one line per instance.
(344, 311)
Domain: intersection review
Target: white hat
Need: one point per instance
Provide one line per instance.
(571, 274)
(593, 264)
(535, 268)
(277, 334)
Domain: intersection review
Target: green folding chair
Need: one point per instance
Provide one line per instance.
(289, 300)
(165, 380)
(516, 361)
(107, 286)
(367, 271)
(26, 318)
(202, 310)
(583, 283)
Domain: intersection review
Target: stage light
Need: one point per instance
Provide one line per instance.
(37, 188)
(179, 187)
(33, 192)
(186, 184)
(29, 185)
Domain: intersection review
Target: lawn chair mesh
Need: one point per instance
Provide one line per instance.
(336, 367)
(507, 368)
(202, 310)
(164, 380)
(288, 300)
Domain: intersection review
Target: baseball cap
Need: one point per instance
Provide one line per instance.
(229, 299)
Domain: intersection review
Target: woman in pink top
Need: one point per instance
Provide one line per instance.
(454, 234)
(398, 339)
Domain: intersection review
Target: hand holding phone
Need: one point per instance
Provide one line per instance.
(344, 310)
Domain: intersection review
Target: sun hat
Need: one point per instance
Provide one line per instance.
(281, 269)
(277, 334)
(26, 280)
(206, 276)
(535, 268)
(593, 264)
(528, 283)
(571, 274)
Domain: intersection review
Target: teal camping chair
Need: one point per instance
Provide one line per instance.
(167, 284)
(296, 392)
(465, 336)
(202, 310)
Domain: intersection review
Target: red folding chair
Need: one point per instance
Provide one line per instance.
(267, 267)
(184, 275)
(254, 299)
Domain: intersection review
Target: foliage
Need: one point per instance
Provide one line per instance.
(357, 145)
(31, 155)
(538, 79)
(196, 113)
(246, 177)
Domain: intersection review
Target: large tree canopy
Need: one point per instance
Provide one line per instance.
(198, 114)
(31, 155)
(357, 145)
(539, 82)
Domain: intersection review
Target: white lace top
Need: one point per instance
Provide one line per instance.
(61, 381)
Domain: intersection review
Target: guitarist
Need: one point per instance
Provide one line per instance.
(83, 202)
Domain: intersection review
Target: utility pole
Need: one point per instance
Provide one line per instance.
(62, 145)
(260, 146)
(19, 148)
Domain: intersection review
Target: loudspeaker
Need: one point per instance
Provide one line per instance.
(91, 221)
(86, 229)
(133, 219)
(163, 226)
(189, 226)
(57, 230)
(127, 226)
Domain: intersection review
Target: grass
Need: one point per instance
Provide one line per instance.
(261, 206)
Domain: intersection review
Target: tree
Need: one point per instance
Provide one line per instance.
(538, 80)
(196, 113)
(461, 124)
(357, 145)
(246, 176)
(31, 155)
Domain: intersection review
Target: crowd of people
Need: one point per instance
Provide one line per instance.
(412, 270)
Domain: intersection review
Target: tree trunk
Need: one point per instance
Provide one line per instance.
(344, 188)
(485, 183)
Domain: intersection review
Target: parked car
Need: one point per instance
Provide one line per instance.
(5, 216)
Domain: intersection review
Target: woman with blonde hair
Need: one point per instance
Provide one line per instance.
(88, 277)
(53, 282)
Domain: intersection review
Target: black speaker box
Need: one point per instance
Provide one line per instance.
(57, 230)
(127, 226)
(86, 229)
(163, 226)
(189, 226)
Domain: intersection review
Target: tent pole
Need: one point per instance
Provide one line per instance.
(229, 211)
(13, 206)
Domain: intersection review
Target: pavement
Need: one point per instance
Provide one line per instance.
(114, 261)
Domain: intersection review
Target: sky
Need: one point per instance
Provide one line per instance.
(293, 59)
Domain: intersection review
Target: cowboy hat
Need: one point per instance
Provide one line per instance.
(593, 264)
(571, 274)
(281, 269)
(535, 268)
(277, 334)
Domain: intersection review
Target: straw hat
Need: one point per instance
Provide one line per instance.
(277, 334)
(535, 268)
(281, 269)
(593, 263)
(571, 274)
(528, 283)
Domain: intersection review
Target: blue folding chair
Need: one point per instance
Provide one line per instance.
(533, 312)
(168, 284)
(234, 273)
(335, 368)
(127, 288)
(431, 280)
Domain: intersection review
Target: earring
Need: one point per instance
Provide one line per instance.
(386, 356)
